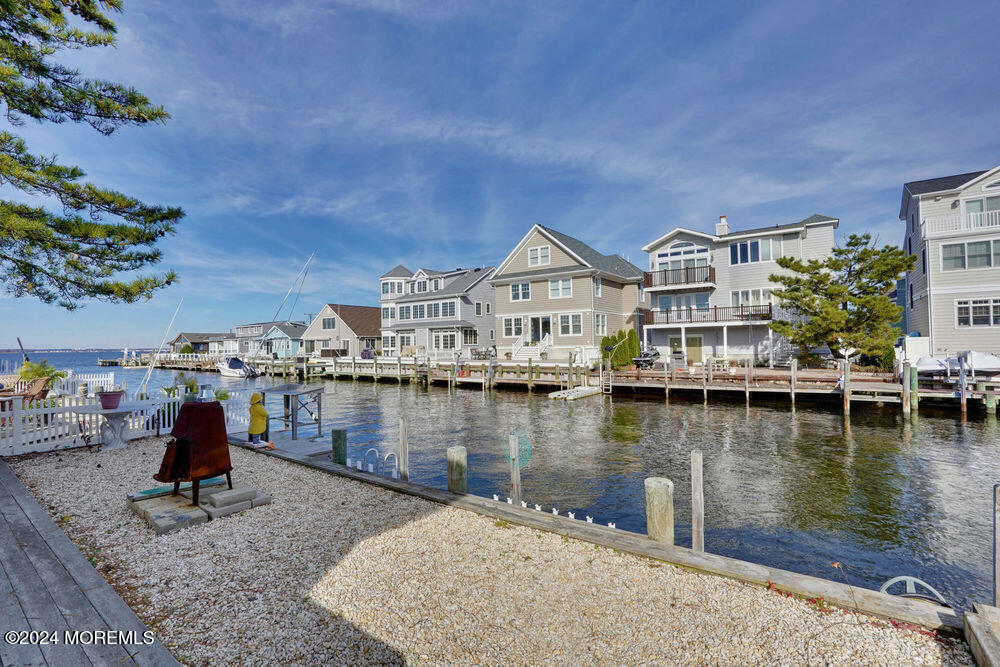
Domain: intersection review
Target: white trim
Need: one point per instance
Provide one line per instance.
(964, 289)
(521, 299)
(676, 230)
(990, 304)
(561, 295)
(539, 248)
(536, 228)
(570, 316)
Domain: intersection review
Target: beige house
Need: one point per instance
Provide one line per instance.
(555, 295)
(953, 293)
(340, 330)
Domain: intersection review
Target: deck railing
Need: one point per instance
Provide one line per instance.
(685, 276)
(761, 313)
(947, 224)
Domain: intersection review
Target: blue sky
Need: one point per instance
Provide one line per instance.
(377, 132)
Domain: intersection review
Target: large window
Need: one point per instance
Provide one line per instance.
(388, 342)
(404, 312)
(765, 249)
(970, 255)
(561, 288)
(520, 292)
(405, 340)
(697, 300)
(448, 309)
(470, 337)
(600, 324)
(571, 325)
(330, 322)
(538, 256)
(977, 312)
(682, 255)
(512, 327)
(434, 310)
(751, 297)
(418, 312)
(388, 312)
(444, 341)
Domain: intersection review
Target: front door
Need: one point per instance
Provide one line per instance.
(693, 347)
(539, 328)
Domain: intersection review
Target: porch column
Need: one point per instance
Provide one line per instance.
(770, 348)
(684, 345)
(725, 342)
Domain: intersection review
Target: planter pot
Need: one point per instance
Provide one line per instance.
(110, 399)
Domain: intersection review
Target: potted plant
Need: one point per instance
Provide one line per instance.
(110, 399)
(190, 384)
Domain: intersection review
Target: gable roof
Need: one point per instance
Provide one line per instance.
(365, 321)
(199, 337)
(399, 271)
(460, 285)
(813, 219)
(615, 265)
(934, 185)
(293, 330)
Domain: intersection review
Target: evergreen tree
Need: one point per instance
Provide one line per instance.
(843, 299)
(95, 245)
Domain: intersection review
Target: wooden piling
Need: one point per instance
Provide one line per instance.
(530, 382)
(906, 388)
(989, 400)
(404, 452)
(458, 470)
(338, 438)
(746, 380)
(704, 384)
(846, 389)
(399, 369)
(697, 503)
(914, 390)
(660, 509)
(515, 469)
(963, 385)
(793, 368)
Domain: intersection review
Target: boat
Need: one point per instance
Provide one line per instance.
(234, 367)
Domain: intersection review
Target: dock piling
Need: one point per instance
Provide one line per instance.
(660, 509)
(338, 438)
(404, 452)
(515, 468)
(697, 503)
(793, 367)
(907, 370)
(914, 391)
(846, 389)
(458, 470)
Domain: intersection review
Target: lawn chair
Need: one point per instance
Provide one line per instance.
(9, 383)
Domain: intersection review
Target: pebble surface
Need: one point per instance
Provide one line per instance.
(336, 571)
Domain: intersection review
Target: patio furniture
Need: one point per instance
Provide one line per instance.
(36, 391)
(114, 422)
(200, 449)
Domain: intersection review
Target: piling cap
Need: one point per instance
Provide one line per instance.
(654, 483)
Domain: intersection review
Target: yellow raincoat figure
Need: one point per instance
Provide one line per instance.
(258, 418)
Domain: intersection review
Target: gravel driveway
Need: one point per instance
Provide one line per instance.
(336, 571)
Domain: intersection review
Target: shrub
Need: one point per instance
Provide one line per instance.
(187, 349)
(34, 370)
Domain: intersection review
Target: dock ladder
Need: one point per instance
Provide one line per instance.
(607, 377)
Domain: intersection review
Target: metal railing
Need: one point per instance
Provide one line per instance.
(761, 313)
(685, 276)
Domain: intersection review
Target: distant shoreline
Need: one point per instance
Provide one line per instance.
(67, 350)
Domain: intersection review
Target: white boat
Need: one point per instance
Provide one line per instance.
(234, 367)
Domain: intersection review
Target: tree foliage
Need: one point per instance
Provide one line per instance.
(96, 243)
(622, 355)
(32, 370)
(842, 300)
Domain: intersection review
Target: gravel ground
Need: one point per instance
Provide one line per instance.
(336, 571)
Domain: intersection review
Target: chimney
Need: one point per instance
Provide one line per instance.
(722, 228)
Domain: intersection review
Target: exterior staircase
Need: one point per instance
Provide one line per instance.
(523, 351)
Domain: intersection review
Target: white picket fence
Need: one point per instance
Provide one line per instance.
(51, 424)
(71, 383)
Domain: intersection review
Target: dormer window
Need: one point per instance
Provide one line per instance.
(538, 256)
(436, 284)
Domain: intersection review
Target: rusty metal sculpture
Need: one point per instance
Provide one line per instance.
(199, 450)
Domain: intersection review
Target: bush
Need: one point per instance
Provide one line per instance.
(624, 353)
(187, 349)
(884, 359)
(32, 371)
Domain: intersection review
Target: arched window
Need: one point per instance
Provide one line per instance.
(682, 255)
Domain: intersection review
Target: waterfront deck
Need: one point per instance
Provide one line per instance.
(47, 585)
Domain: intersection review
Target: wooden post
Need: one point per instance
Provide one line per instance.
(996, 545)
(339, 440)
(697, 503)
(914, 390)
(990, 400)
(704, 383)
(667, 372)
(458, 470)
(335, 367)
(846, 389)
(515, 470)
(569, 372)
(660, 509)
(404, 452)
(793, 367)
(746, 380)
(906, 388)
(530, 382)
(354, 367)
(319, 414)
(399, 369)
(963, 389)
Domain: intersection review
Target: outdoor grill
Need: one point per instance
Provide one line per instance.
(199, 450)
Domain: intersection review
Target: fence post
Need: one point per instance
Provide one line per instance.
(404, 452)
(17, 424)
(660, 509)
(458, 470)
(906, 387)
(697, 502)
(338, 437)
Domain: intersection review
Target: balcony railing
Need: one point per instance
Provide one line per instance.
(685, 276)
(970, 222)
(760, 313)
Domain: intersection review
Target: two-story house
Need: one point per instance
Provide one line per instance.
(953, 293)
(250, 337)
(340, 330)
(438, 313)
(711, 295)
(555, 295)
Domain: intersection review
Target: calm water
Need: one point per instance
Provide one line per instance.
(795, 490)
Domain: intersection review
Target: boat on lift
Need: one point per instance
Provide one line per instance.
(234, 367)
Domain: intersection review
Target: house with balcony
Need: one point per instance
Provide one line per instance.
(711, 294)
(556, 296)
(953, 292)
(437, 313)
(340, 331)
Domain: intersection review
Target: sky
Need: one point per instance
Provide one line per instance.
(434, 134)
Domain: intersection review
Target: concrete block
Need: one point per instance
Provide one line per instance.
(203, 493)
(232, 496)
(165, 514)
(260, 499)
(159, 491)
(219, 512)
(170, 524)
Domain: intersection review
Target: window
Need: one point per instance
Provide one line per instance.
(492, 334)
(470, 337)
(682, 255)
(597, 286)
(978, 254)
(600, 325)
(413, 286)
(570, 325)
(371, 343)
(755, 250)
(326, 344)
(385, 287)
(479, 309)
(436, 284)
(977, 312)
(434, 310)
(911, 295)
(751, 297)
(512, 327)
(386, 313)
(489, 306)
(561, 288)
(330, 322)
(923, 259)
(448, 309)
(538, 256)
(405, 340)
(388, 342)
(418, 312)
(953, 256)
(520, 292)
(996, 252)
(444, 341)
(421, 285)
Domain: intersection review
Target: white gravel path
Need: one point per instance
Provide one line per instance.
(335, 571)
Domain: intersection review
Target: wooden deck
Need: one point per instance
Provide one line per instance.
(47, 585)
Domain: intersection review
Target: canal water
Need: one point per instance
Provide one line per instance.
(799, 490)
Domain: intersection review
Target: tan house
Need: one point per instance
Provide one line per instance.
(953, 293)
(555, 295)
(340, 330)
